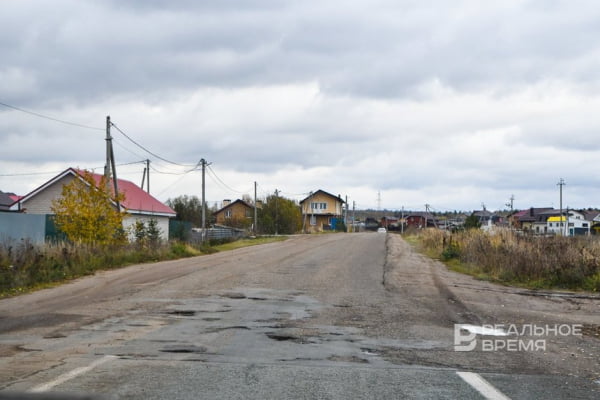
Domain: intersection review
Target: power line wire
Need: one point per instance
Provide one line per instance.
(174, 183)
(62, 170)
(127, 150)
(62, 121)
(223, 183)
(172, 173)
(145, 149)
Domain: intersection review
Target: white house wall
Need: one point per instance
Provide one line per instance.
(163, 224)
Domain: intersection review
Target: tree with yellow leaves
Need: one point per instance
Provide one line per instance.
(86, 212)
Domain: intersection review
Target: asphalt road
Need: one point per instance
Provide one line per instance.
(342, 316)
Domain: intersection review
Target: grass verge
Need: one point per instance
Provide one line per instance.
(249, 242)
(533, 262)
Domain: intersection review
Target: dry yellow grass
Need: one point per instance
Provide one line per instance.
(558, 262)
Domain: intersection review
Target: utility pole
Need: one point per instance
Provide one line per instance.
(346, 215)
(307, 207)
(203, 163)
(561, 183)
(110, 164)
(255, 212)
(108, 151)
(427, 212)
(276, 212)
(148, 178)
(143, 178)
(402, 221)
(353, 216)
(512, 199)
(379, 201)
(146, 173)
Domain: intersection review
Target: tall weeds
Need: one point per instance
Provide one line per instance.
(24, 265)
(557, 262)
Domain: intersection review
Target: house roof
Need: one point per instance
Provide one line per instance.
(483, 213)
(238, 201)
(418, 214)
(6, 200)
(590, 215)
(338, 198)
(534, 214)
(136, 200)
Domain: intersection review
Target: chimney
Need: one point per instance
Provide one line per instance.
(226, 202)
(259, 204)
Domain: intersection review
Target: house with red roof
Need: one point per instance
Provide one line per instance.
(138, 204)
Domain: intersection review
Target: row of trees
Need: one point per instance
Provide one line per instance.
(277, 214)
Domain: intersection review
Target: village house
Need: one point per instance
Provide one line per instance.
(419, 220)
(238, 214)
(530, 219)
(137, 204)
(390, 223)
(321, 211)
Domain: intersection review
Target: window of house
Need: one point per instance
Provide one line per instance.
(313, 220)
(318, 206)
(228, 213)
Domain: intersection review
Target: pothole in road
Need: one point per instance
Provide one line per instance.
(233, 295)
(55, 335)
(282, 337)
(352, 359)
(224, 328)
(182, 313)
(183, 349)
(369, 352)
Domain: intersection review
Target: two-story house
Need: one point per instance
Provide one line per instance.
(237, 214)
(321, 211)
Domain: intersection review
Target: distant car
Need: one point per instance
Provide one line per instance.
(381, 230)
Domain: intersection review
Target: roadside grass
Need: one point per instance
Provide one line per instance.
(249, 242)
(25, 267)
(533, 262)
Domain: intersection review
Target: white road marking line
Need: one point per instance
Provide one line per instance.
(70, 375)
(482, 386)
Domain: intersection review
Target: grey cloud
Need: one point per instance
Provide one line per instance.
(84, 51)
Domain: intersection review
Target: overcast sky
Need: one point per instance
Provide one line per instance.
(449, 103)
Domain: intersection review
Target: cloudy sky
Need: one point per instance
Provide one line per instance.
(449, 103)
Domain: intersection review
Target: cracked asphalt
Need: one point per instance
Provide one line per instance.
(318, 316)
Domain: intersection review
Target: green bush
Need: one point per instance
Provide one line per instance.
(451, 251)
